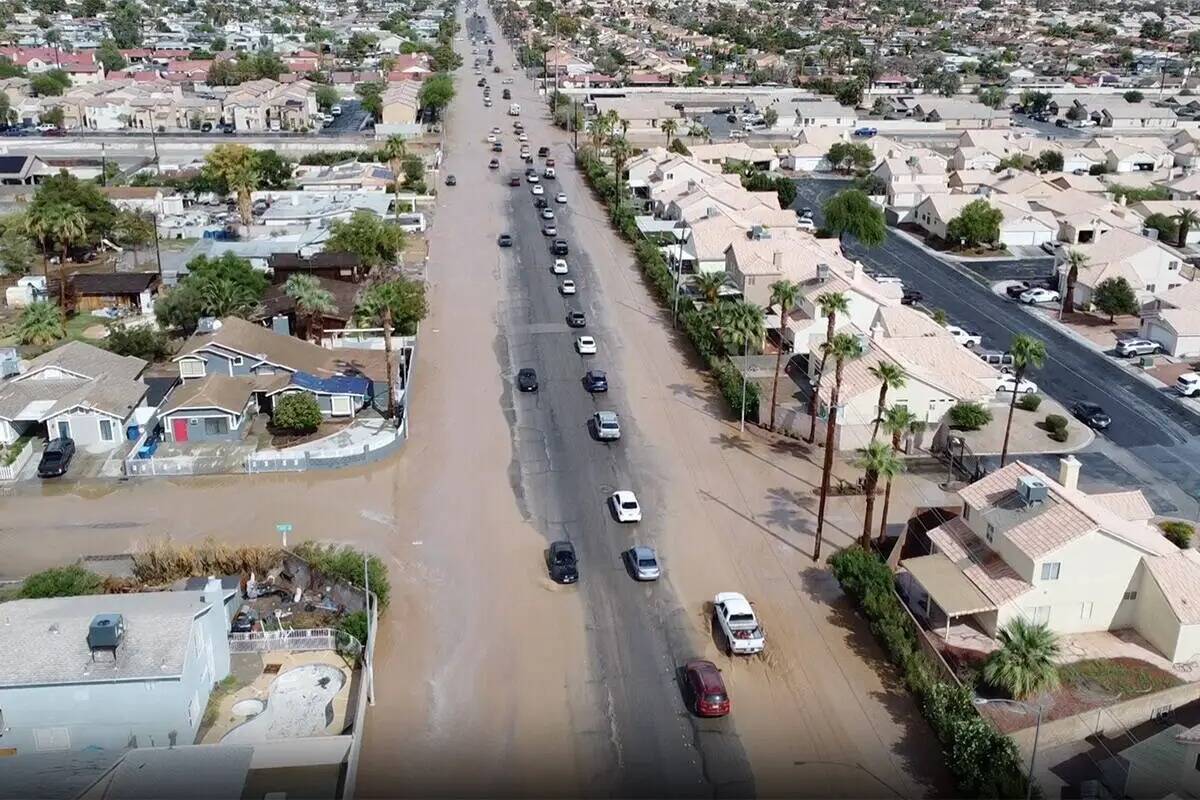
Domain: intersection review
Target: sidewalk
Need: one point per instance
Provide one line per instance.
(942, 255)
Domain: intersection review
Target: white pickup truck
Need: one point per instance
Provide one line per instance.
(743, 635)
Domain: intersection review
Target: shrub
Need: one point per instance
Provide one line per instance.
(345, 564)
(355, 625)
(729, 380)
(969, 416)
(1178, 533)
(1029, 402)
(1060, 435)
(69, 581)
(162, 561)
(140, 341)
(1055, 422)
(297, 412)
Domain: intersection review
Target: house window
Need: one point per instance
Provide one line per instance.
(1085, 610)
(1149, 287)
(1129, 596)
(1041, 615)
(966, 512)
(106, 430)
(191, 368)
(991, 530)
(1050, 570)
(216, 426)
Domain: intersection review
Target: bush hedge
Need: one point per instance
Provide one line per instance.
(346, 564)
(1029, 402)
(984, 762)
(658, 275)
(1179, 533)
(1055, 422)
(969, 416)
(69, 581)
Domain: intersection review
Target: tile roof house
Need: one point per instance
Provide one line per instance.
(77, 391)
(1028, 546)
(1149, 267)
(1021, 225)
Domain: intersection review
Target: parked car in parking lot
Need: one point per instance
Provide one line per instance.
(964, 337)
(1091, 415)
(1137, 347)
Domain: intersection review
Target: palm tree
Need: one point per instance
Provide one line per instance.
(601, 129)
(37, 226)
(313, 302)
(669, 127)
(67, 226)
(830, 304)
(1024, 664)
(381, 305)
(709, 284)
(783, 294)
(851, 213)
(1187, 218)
(743, 327)
(890, 376)
(1026, 352)
(1075, 262)
(841, 348)
(619, 149)
(134, 229)
(395, 151)
(897, 421)
(876, 460)
(237, 166)
(40, 324)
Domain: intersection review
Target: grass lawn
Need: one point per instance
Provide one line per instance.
(1123, 676)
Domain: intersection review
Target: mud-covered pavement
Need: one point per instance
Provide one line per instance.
(491, 680)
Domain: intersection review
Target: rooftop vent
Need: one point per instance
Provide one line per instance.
(1032, 490)
(758, 232)
(105, 633)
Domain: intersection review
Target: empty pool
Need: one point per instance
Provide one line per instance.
(299, 704)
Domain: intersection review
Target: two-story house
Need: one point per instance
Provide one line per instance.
(1149, 267)
(910, 180)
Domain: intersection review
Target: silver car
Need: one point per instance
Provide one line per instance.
(607, 424)
(644, 562)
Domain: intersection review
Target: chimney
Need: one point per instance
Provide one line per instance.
(876, 331)
(854, 267)
(1068, 472)
(777, 260)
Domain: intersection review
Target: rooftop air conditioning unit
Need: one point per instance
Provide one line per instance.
(10, 361)
(1150, 233)
(758, 232)
(105, 633)
(208, 325)
(823, 272)
(1032, 490)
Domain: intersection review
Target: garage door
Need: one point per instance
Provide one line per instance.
(1019, 238)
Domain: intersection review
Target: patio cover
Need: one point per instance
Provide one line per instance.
(947, 585)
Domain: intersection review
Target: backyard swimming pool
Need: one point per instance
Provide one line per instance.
(299, 704)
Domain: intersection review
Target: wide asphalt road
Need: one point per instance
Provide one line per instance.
(638, 633)
(1148, 424)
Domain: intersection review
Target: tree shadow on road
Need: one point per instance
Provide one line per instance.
(755, 523)
(786, 513)
(703, 399)
(733, 441)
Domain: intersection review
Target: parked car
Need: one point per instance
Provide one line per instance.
(505, 240)
(1188, 384)
(1034, 296)
(576, 319)
(564, 566)
(527, 380)
(1008, 383)
(56, 458)
(964, 337)
(243, 621)
(1137, 347)
(567, 287)
(1050, 246)
(706, 690)
(585, 346)
(607, 425)
(805, 224)
(1001, 361)
(1015, 290)
(596, 380)
(625, 506)
(738, 622)
(559, 247)
(560, 266)
(865, 132)
(911, 296)
(1091, 415)
(644, 563)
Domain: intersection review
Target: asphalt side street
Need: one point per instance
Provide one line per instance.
(1152, 443)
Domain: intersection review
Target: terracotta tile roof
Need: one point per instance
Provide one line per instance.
(1178, 575)
(989, 572)
(1131, 505)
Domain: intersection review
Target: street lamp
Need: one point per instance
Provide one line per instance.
(1028, 709)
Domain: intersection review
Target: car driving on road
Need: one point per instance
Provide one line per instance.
(560, 266)
(567, 287)
(736, 618)
(706, 691)
(644, 562)
(607, 425)
(1091, 415)
(625, 506)
(585, 346)
(505, 240)
(527, 380)
(596, 380)
(561, 198)
(564, 566)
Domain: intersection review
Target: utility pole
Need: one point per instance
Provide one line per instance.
(103, 165)
(154, 144)
(158, 252)
(575, 120)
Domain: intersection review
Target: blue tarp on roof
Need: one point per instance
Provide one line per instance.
(338, 384)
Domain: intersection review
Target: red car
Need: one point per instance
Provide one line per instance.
(707, 690)
(549, 162)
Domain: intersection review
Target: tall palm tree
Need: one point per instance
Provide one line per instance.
(1024, 664)
(669, 126)
(830, 305)
(383, 304)
(1187, 219)
(68, 226)
(890, 376)
(237, 166)
(744, 326)
(41, 323)
(709, 284)
(876, 460)
(395, 151)
(620, 151)
(783, 294)
(37, 226)
(1076, 261)
(601, 129)
(313, 302)
(897, 421)
(841, 348)
(1026, 352)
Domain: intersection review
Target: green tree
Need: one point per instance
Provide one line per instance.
(327, 97)
(71, 581)
(237, 166)
(841, 348)
(371, 94)
(51, 83)
(313, 302)
(16, 247)
(770, 117)
(1153, 30)
(395, 305)
(620, 151)
(992, 96)
(66, 189)
(437, 91)
(1050, 161)
(669, 126)
(67, 226)
(375, 241)
(969, 416)
(851, 213)
(273, 170)
(830, 304)
(709, 285)
(876, 460)
(395, 151)
(7, 114)
(53, 116)
(214, 287)
(125, 23)
(1167, 227)
(1187, 218)
(134, 230)
(1133, 96)
(110, 56)
(741, 328)
(1035, 102)
(296, 412)
(1027, 352)
(897, 421)
(140, 341)
(848, 156)
(783, 294)
(1076, 260)
(976, 224)
(1024, 664)
(1114, 296)
(890, 376)
(41, 323)
(849, 93)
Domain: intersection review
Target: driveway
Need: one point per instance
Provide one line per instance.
(348, 121)
(1152, 442)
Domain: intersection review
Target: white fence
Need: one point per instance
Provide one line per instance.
(13, 470)
(294, 641)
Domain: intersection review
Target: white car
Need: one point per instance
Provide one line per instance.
(607, 425)
(805, 224)
(586, 345)
(1040, 296)
(507, 80)
(537, 189)
(492, 138)
(496, 130)
(567, 287)
(547, 213)
(1188, 384)
(549, 229)
(523, 138)
(560, 266)
(550, 174)
(561, 197)
(1008, 383)
(533, 178)
(625, 506)
(963, 337)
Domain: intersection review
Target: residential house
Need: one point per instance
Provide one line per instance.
(342, 267)
(960, 114)
(114, 671)
(1170, 208)
(17, 169)
(1149, 267)
(1027, 546)
(122, 292)
(292, 209)
(154, 201)
(77, 391)
(349, 176)
(824, 114)
(1021, 225)
(267, 105)
(910, 180)
(1176, 329)
(401, 102)
(736, 153)
(1084, 216)
(1135, 155)
(1113, 112)
(279, 307)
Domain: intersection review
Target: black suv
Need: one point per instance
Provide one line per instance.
(559, 247)
(543, 151)
(564, 567)
(596, 380)
(56, 458)
(576, 319)
(527, 380)
(505, 240)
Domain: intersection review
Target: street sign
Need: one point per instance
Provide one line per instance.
(283, 529)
